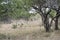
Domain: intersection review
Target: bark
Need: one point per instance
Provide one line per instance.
(56, 22)
(45, 20)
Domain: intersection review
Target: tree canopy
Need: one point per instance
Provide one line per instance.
(15, 8)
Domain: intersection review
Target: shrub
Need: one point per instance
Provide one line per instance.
(14, 26)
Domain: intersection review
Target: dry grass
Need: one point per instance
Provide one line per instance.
(26, 30)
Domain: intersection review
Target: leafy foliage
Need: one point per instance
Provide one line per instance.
(15, 9)
(53, 13)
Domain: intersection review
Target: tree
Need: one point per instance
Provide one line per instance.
(51, 4)
(14, 9)
(42, 7)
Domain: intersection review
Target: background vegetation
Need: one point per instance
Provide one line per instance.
(14, 9)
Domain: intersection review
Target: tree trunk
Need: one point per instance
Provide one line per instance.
(56, 22)
(46, 23)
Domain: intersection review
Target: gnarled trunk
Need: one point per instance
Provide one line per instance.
(45, 20)
(56, 21)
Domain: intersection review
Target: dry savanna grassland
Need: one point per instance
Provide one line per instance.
(27, 30)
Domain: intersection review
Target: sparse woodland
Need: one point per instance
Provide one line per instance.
(28, 19)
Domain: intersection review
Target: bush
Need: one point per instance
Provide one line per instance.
(14, 26)
(2, 36)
